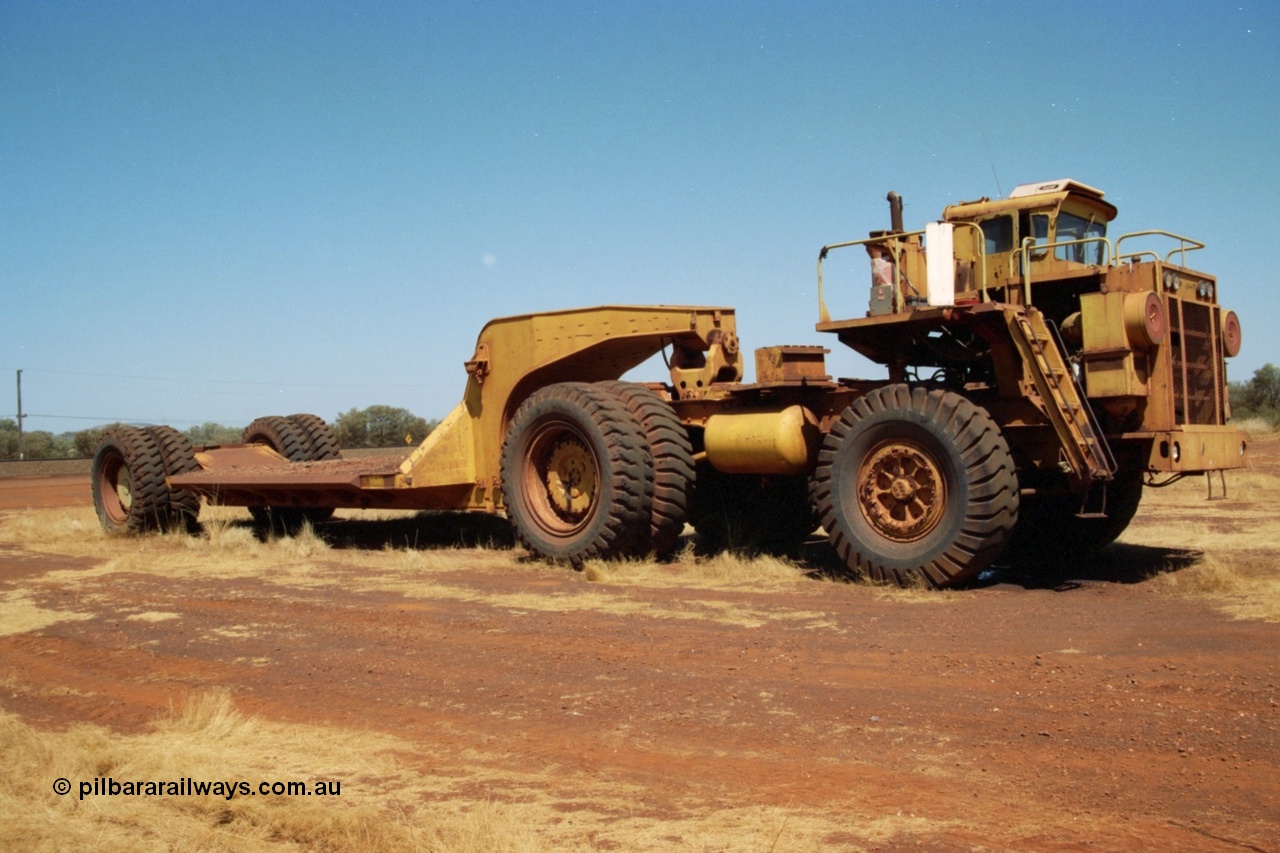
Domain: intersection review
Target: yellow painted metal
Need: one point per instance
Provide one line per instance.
(1144, 319)
(1056, 395)
(784, 442)
(516, 356)
(447, 457)
(1192, 449)
(1102, 323)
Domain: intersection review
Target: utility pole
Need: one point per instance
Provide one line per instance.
(20, 415)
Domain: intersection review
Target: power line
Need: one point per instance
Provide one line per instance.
(170, 421)
(104, 420)
(205, 380)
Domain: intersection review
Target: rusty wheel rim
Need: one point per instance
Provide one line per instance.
(116, 487)
(571, 478)
(560, 479)
(901, 490)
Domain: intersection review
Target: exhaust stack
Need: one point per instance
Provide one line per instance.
(895, 211)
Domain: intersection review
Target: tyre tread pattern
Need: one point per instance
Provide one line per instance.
(673, 469)
(991, 499)
(626, 481)
(317, 436)
(281, 434)
(297, 438)
(137, 450)
(178, 457)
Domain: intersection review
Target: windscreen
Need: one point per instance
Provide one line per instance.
(1072, 227)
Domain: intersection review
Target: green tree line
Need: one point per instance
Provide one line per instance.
(1259, 397)
(374, 426)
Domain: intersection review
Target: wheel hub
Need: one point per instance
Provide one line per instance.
(124, 489)
(570, 478)
(900, 490)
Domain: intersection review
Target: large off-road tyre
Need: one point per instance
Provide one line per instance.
(129, 492)
(672, 457)
(321, 443)
(317, 436)
(577, 480)
(281, 434)
(1049, 532)
(751, 514)
(916, 487)
(178, 458)
(286, 437)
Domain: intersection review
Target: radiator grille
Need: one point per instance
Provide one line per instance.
(1197, 366)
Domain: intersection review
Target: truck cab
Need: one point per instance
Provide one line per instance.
(1042, 230)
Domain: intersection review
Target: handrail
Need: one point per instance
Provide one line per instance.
(1029, 243)
(1111, 257)
(981, 245)
(1186, 244)
(824, 316)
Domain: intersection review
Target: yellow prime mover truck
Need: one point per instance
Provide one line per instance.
(1040, 373)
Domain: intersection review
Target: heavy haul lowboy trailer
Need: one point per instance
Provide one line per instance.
(1039, 377)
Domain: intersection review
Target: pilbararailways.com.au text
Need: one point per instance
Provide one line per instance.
(188, 787)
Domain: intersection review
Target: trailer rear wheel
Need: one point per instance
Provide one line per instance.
(318, 437)
(576, 479)
(280, 434)
(292, 440)
(673, 472)
(916, 486)
(129, 492)
(178, 457)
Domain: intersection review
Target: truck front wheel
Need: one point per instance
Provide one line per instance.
(916, 486)
(577, 479)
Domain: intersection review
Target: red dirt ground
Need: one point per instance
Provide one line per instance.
(1147, 721)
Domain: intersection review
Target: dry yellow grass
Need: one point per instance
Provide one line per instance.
(380, 805)
(384, 805)
(1234, 543)
(389, 802)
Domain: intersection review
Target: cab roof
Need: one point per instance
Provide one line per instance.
(1041, 193)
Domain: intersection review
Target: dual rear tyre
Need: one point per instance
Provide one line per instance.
(130, 490)
(596, 471)
(912, 486)
(298, 438)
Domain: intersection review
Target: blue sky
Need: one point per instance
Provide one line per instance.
(214, 211)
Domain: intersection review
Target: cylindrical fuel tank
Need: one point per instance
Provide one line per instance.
(784, 442)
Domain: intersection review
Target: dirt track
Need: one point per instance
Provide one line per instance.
(1098, 713)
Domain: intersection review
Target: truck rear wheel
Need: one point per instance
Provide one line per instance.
(576, 479)
(1049, 531)
(672, 459)
(129, 492)
(916, 486)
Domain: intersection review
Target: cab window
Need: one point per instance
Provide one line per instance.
(998, 234)
(1071, 227)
